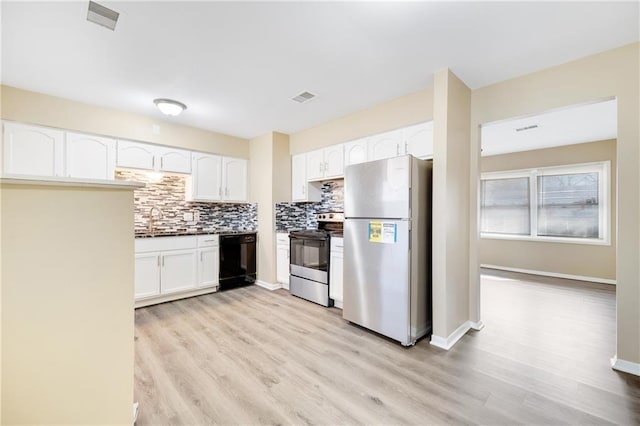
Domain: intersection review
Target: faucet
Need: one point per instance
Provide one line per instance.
(160, 216)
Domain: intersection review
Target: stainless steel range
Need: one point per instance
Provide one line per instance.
(309, 259)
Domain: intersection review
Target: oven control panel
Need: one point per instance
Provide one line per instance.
(330, 217)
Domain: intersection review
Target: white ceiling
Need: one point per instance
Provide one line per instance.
(237, 64)
(567, 126)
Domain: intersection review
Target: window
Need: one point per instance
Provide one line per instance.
(569, 204)
(505, 206)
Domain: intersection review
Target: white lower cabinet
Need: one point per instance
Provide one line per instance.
(335, 271)
(178, 271)
(282, 259)
(147, 277)
(208, 261)
(168, 268)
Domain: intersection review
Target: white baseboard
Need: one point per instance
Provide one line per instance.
(447, 343)
(551, 274)
(477, 325)
(268, 286)
(625, 366)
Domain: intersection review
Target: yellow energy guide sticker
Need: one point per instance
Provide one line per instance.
(383, 232)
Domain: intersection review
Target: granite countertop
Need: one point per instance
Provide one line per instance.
(147, 234)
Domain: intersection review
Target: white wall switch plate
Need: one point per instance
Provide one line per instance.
(188, 217)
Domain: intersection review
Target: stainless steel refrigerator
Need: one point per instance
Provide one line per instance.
(387, 244)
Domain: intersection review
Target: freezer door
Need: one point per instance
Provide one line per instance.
(378, 189)
(376, 279)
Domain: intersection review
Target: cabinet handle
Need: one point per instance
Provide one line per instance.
(406, 147)
(201, 256)
(158, 261)
(397, 150)
(161, 162)
(219, 191)
(162, 260)
(153, 163)
(304, 190)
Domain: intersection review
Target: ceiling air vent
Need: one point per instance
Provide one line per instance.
(522, 129)
(102, 16)
(303, 97)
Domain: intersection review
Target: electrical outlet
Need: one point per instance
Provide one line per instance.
(188, 217)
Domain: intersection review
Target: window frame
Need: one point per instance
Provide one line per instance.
(603, 168)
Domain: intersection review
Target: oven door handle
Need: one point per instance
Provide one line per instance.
(308, 238)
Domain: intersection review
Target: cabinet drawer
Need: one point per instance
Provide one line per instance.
(208, 241)
(165, 243)
(282, 238)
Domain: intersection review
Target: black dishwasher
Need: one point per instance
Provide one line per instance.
(237, 259)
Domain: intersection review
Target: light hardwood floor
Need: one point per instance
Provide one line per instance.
(252, 356)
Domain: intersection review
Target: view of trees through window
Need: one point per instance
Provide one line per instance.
(568, 205)
(505, 206)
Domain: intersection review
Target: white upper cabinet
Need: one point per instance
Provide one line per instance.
(173, 160)
(299, 177)
(90, 157)
(386, 145)
(325, 163)
(334, 161)
(356, 152)
(216, 178)
(315, 165)
(301, 190)
(234, 179)
(205, 183)
(419, 140)
(32, 150)
(138, 155)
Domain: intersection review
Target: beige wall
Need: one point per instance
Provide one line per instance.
(452, 104)
(410, 109)
(585, 260)
(37, 108)
(614, 73)
(67, 305)
(269, 182)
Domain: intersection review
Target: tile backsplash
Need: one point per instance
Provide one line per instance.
(291, 216)
(169, 196)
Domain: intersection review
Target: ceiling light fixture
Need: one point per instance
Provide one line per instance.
(169, 106)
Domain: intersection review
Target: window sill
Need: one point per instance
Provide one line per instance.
(561, 240)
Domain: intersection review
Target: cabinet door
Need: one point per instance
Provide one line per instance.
(355, 152)
(147, 275)
(178, 271)
(298, 177)
(334, 161)
(385, 145)
(32, 150)
(419, 140)
(174, 160)
(315, 165)
(136, 155)
(282, 264)
(234, 179)
(90, 157)
(335, 277)
(208, 266)
(206, 177)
